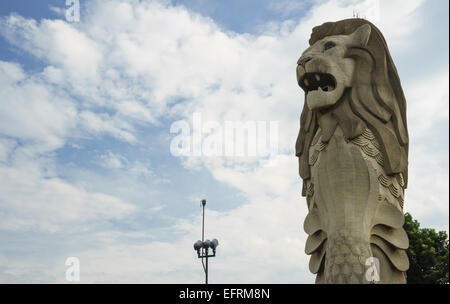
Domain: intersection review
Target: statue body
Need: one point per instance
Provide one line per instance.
(353, 150)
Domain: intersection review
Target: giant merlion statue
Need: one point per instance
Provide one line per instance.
(353, 155)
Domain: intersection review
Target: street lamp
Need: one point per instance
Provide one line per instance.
(202, 247)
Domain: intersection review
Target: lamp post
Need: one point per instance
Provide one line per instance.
(202, 247)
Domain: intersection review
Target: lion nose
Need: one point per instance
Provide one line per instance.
(303, 60)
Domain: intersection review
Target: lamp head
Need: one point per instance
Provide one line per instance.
(206, 244)
(198, 245)
(214, 243)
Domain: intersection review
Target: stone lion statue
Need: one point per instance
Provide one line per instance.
(353, 155)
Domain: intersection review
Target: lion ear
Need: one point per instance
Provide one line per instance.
(361, 35)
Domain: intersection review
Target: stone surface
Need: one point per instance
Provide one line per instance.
(353, 155)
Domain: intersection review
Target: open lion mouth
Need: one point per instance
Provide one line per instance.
(317, 81)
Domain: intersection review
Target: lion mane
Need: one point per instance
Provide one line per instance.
(375, 101)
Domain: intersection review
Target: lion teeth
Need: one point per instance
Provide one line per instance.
(317, 77)
(306, 82)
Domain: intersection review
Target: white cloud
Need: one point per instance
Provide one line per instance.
(140, 168)
(427, 104)
(104, 124)
(261, 241)
(137, 168)
(44, 115)
(30, 201)
(135, 111)
(55, 42)
(113, 161)
(399, 21)
(57, 10)
(32, 111)
(428, 115)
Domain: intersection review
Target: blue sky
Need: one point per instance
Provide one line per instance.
(85, 136)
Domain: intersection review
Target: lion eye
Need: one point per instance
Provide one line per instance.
(329, 45)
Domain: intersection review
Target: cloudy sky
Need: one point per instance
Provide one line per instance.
(86, 110)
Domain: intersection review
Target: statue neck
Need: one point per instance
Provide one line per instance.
(341, 114)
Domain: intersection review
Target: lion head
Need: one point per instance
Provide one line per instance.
(350, 80)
